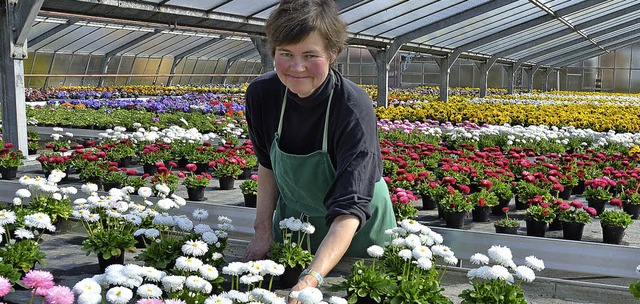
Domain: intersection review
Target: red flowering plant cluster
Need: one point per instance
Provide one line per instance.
(154, 153)
(599, 189)
(118, 150)
(245, 151)
(484, 198)
(11, 158)
(402, 201)
(539, 210)
(574, 212)
(455, 198)
(193, 180)
(54, 161)
(133, 180)
(228, 166)
(165, 177)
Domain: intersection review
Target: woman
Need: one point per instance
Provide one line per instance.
(315, 136)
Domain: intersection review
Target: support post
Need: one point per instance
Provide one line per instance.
(534, 69)
(383, 64)
(484, 73)
(16, 19)
(545, 79)
(265, 58)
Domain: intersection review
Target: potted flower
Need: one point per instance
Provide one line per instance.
(614, 222)
(110, 232)
(133, 180)
(507, 225)
(195, 183)
(455, 206)
(113, 178)
(490, 281)
(504, 193)
(482, 202)
(227, 170)
(93, 172)
(249, 190)
(152, 155)
(367, 281)
(597, 192)
(165, 177)
(537, 217)
(60, 142)
(10, 160)
(290, 251)
(631, 202)
(52, 161)
(427, 189)
(33, 143)
(574, 215)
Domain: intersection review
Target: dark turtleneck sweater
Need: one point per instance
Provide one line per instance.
(353, 144)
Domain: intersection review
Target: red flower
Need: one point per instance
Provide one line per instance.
(180, 174)
(485, 183)
(616, 202)
(191, 167)
(505, 209)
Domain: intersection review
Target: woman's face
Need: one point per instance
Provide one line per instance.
(303, 66)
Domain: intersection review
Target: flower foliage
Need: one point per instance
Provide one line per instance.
(295, 238)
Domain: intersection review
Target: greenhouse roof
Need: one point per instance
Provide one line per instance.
(534, 32)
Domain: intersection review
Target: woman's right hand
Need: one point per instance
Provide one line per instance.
(258, 247)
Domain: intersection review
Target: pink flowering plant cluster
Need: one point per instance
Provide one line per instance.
(575, 212)
(598, 188)
(402, 201)
(193, 180)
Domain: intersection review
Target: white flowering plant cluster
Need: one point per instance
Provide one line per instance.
(501, 280)
(404, 271)
(60, 141)
(142, 136)
(44, 195)
(21, 235)
(170, 237)
(294, 250)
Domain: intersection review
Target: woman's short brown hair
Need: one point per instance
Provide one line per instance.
(293, 20)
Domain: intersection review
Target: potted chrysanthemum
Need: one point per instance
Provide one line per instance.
(294, 249)
(500, 278)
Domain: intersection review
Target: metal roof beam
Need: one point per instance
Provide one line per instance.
(575, 41)
(526, 25)
(615, 39)
(211, 10)
(131, 43)
(24, 14)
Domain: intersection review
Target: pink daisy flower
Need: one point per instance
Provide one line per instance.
(5, 286)
(174, 302)
(59, 295)
(38, 279)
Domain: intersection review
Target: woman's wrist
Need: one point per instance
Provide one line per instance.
(310, 274)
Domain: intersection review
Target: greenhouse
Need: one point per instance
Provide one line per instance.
(502, 168)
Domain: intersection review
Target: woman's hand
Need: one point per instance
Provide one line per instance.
(304, 282)
(259, 247)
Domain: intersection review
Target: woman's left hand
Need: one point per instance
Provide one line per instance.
(304, 282)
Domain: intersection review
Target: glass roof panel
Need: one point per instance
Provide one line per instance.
(521, 37)
(40, 28)
(122, 40)
(166, 48)
(242, 8)
(201, 5)
(423, 15)
(146, 44)
(218, 50)
(97, 47)
(481, 25)
(390, 15)
(613, 22)
(598, 10)
(91, 39)
(69, 38)
(548, 45)
(177, 48)
(432, 18)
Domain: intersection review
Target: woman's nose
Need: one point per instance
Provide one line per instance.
(297, 65)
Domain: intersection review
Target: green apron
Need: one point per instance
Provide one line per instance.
(303, 181)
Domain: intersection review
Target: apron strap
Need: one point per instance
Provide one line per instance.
(326, 119)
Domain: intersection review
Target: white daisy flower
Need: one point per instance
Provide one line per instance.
(500, 254)
(173, 283)
(17, 201)
(149, 291)
(233, 269)
(421, 252)
(166, 203)
(499, 272)
(538, 264)
(23, 193)
(145, 192)
(308, 228)
(637, 269)
(208, 272)
(37, 220)
(152, 274)
(451, 260)
(375, 251)
(133, 219)
(310, 295)
(24, 234)
(479, 259)
(273, 268)
(337, 300)
(424, 263)
(195, 248)
(90, 298)
(152, 233)
(411, 226)
(405, 254)
(89, 188)
(525, 273)
(185, 224)
(200, 214)
(195, 283)
(202, 228)
(119, 295)
(441, 251)
(188, 263)
(412, 241)
(7, 217)
(217, 300)
(249, 279)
